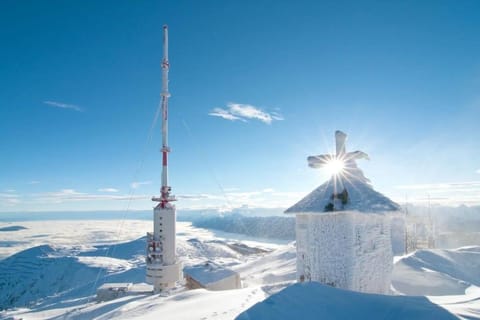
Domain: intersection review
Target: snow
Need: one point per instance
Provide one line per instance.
(344, 228)
(438, 272)
(213, 276)
(60, 277)
(276, 267)
(194, 304)
(79, 233)
(69, 267)
(316, 301)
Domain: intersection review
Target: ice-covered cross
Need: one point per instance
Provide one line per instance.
(342, 158)
(342, 166)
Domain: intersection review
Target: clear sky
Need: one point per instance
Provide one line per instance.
(257, 86)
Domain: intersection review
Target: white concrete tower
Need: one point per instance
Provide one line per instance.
(163, 268)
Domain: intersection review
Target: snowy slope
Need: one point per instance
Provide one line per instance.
(277, 267)
(437, 272)
(265, 268)
(27, 234)
(450, 277)
(316, 301)
(47, 275)
(60, 278)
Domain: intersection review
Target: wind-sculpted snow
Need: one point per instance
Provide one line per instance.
(316, 301)
(48, 275)
(59, 282)
(438, 272)
(45, 274)
(263, 227)
(273, 268)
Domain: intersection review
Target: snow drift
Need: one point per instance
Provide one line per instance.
(437, 272)
(316, 301)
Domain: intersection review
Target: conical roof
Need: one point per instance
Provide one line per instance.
(359, 196)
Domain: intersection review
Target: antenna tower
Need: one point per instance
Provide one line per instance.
(163, 268)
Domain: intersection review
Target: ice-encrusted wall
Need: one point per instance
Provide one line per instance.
(345, 249)
(398, 236)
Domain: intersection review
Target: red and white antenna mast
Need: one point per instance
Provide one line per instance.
(165, 197)
(163, 268)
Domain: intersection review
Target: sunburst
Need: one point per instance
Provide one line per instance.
(335, 166)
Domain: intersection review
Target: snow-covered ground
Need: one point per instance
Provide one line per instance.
(50, 270)
(430, 284)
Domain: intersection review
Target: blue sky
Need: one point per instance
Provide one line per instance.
(80, 83)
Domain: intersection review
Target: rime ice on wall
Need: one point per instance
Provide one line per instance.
(348, 250)
(398, 234)
(343, 229)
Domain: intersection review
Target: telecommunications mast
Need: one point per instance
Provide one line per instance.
(163, 268)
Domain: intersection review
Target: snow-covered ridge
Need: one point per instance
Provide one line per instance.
(67, 275)
(48, 274)
(263, 227)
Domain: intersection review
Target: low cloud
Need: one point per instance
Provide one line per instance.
(197, 197)
(467, 185)
(449, 193)
(138, 184)
(266, 198)
(107, 190)
(9, 198)
(34, 182)
(63, 105)
(244, 112)
(69, 195)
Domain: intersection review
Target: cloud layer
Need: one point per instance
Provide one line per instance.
(266, 198)
(107, 190)
(244, 112)
(9, 198)
(67, 195)
(449, 193)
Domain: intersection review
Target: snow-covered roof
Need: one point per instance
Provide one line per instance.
(209, 272)
(115, 285)
(348, 190)
(361, 195)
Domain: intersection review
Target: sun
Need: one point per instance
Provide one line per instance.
(335, 166)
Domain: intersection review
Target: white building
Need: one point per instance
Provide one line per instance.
(110, 291)
(343, 227)
(211, 276)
